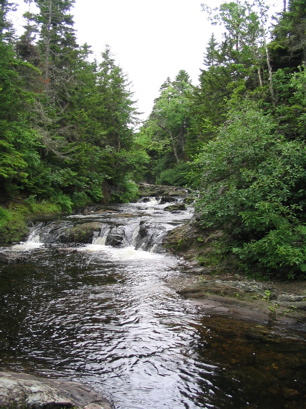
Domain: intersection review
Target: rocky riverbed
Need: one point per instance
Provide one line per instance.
(223, 291)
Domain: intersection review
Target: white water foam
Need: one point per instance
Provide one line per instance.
(125, 253)
(32, 243)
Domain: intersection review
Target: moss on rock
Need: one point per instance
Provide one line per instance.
(81, 233)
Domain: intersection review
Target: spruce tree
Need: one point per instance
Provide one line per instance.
(18, 155)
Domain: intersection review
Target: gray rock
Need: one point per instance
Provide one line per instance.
(20, 390)
(175, 208)
(11, 258)
(145, 189)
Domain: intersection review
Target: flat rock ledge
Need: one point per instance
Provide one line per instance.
(19, 390)
(146, 189)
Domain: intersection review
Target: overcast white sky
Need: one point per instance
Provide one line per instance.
(150, 39)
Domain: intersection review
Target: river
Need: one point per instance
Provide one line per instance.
(102, 313)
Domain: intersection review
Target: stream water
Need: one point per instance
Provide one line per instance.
(102, 313)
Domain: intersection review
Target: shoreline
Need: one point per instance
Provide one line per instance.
(279, 307)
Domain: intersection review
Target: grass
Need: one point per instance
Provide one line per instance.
(14, 219)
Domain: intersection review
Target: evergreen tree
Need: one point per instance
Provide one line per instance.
(119, 114)
(289, 38)
(6, 27)
(57, 41)
(18, 156)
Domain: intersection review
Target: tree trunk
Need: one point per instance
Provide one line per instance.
(270, 76)
(174, 147)
(259, 76)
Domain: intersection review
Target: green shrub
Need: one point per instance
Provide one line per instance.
(252, 186)
(127, 191)
(176, 176)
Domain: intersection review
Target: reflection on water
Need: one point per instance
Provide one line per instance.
(105, 316)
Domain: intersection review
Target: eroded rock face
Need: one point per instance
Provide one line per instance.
(145, 189)
(26, 391)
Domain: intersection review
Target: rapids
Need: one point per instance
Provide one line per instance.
(101, 313)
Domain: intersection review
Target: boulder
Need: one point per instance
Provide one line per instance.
(80, 233)
(176, 208)
(167, 199)
(19, 390)
(145, 189)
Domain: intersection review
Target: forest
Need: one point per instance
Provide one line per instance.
(70, 134)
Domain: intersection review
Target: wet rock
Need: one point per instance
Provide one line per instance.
(189, 200)
(175, 208)
(98, 209)
(116, 237)
(166, 199)
(295, 305)
(11, 258)
(258, 336)
(81, 233)
(66, 250)
(145, 200)
(26, 391)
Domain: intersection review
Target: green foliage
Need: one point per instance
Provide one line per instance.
(67, 136)
(4, 216)
(281, 252)
(250, 179)
(64, 202)
(14, 219)
(176, 176)
(165, 134)
(288, 44)
(18, 142)
(126, 190)
(66, 128)
(79, 199)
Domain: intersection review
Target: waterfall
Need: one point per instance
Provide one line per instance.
(101, 237)
(33, 241)
(139, 226)
(140, 235)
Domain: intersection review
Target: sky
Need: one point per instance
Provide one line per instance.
(151, 40)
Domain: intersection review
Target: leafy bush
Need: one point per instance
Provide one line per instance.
(252, 186)
(281, 251)
(64, 202)
(79, 199)
(176, 176)
(127, 191)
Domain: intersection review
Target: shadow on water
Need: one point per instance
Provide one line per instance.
(258, 368)
(105, 316)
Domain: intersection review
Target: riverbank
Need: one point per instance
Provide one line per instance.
(278, 305)
(211, 278)
(15, 218)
